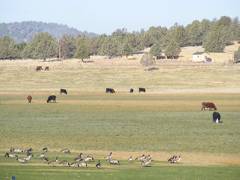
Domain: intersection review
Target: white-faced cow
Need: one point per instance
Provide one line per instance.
(29, 98)
(208, 105)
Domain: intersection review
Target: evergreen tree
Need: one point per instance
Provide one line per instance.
(8, 49)
(156, 50)
(42, 46)
(82, 50)
(172, 49)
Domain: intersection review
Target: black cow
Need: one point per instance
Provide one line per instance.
(110, 90)
(142, 90)
(131, 90)
(51, 98)
(216, 117)
(63, 91)
(39, 68)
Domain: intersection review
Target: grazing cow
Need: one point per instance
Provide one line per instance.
(39, 68)
(29, 98)
(142, 90)
(216, 117)
(131, 90)
(47, 68)
(110, 90)
(51, 98)
(63, 91)
(208, 105)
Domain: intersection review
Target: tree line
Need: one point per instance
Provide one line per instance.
(212, 35)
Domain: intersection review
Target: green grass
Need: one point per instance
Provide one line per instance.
(125, 123)
(157, 172)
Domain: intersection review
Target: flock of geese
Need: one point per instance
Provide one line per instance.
(82, 160)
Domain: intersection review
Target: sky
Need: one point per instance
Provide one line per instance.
(105, 16)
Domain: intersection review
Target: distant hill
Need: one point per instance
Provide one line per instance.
(24, 31)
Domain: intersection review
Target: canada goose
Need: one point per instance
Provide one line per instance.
(21, 160)
(130, 159)
(45, 159)
(45, 149)
(79, 157)
(146, 163)
(141, 158)
(74, 164)
(88, 159)
(18, 150)
(64, 163)
(174, 159)
(82, 164)
(98, 165)
(114, 162)
(10, 155)
(42, 155)
(28, 151)
(28, 158)
(53, 162)
(109, 156)
(66, 151)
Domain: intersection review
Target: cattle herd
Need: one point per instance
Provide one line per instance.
(205, 105)
(24, 156)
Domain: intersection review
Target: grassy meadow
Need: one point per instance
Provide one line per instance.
(164, 121)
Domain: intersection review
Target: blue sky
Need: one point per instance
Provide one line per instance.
(105, 16)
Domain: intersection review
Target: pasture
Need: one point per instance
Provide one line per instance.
(165, 120)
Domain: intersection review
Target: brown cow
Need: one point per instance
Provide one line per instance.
(39, 68)
(208, 105)
(29, 98)
(47, 68)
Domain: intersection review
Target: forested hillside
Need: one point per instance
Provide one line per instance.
(212, 35)
(24, 31)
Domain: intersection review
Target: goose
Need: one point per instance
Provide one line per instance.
(74, 164)
(18, 150)
(45, 149)
(88, 159)
(82, 164)
(28, 151)
(79, 157)
(66, 151)
(42, 155)
(10, 155)
(141, 158)
(130, 159)
(64, 163)
(21, 160)
(45, 159)
(53, 162)
(174, 159)
(28, 158)
(114, 162)
(146, 163)
(98, 165)
(109, 156)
